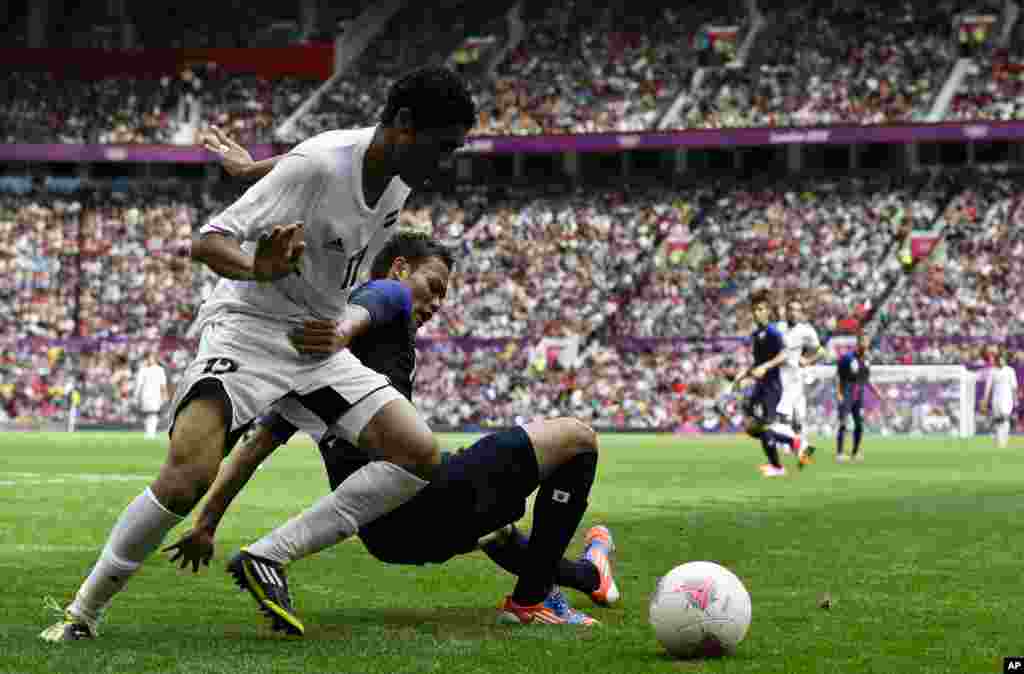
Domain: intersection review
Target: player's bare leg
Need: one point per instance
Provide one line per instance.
(197, 446)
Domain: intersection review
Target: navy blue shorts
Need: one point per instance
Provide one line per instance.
(763, 402)
(480, 489)
(851, 406)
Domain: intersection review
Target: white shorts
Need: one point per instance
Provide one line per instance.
(349, 425)
(793, 403)
(257, 366)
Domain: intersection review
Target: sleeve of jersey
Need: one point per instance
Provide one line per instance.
(285, 195)
(387, 301)
(280, 428)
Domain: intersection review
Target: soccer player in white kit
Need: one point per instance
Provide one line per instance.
(290, 250)
(150, 393)
(1001, 392)
(803, 349)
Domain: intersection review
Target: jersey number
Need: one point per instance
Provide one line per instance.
(220, 366)
(352, 271)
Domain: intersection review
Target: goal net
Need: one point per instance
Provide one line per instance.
(921, 400)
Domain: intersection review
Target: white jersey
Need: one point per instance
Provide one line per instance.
(149, 387)
(1004, 388)
(320, 183)
(797, 338)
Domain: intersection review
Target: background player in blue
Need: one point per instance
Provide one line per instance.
(481, 480)
(853, 376)
(762, 404)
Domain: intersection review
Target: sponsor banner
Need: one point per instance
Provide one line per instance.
(583, 142)
(69, 152)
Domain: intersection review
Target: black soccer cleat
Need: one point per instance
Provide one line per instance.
(69, 628)
(267, 583)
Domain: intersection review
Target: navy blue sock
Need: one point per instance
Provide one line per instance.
(511, 553)
(557, 511)
(770, 450)
(840, 440)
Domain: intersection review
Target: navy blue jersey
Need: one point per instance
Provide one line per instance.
(767, 343)
(389, 346)
(854, 372)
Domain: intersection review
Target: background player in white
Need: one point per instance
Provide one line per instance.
(803, 349)
(290, 250)
(150, 393)
(1001, 392)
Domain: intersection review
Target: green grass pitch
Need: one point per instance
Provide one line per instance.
(920, 548)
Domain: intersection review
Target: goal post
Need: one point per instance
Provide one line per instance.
(921, 399)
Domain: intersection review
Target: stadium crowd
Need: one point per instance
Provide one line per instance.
(833, 63)
(622, 311)
(43, 108)
(576, 70)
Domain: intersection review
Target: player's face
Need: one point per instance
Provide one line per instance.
(421, 152)
(762, 313)
(429, 285)
(795, 312)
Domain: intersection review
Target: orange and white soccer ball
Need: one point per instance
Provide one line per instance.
(700, 609)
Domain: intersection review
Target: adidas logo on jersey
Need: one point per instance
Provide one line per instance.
(390, 219)
(336, 244)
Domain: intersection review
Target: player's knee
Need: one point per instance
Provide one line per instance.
(184, 478)
(579, 437)
(558, 441)
(425, 453)
(197, 445)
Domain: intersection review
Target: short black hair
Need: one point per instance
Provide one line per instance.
(416, 247)
(763, 296)
(436, 96)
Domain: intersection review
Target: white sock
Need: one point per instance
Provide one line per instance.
(137, 533)
(152, 421)
(374, 490)
(1003, 434)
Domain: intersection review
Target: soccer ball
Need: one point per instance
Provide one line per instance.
(700, 609)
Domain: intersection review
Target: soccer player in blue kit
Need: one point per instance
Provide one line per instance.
(853, 376)
(486, 485)
(769, 349)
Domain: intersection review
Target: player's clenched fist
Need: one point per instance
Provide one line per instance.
(279, 253)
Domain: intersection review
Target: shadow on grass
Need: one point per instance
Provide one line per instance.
(446, 623)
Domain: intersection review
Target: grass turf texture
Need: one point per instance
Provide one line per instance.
(920, 549)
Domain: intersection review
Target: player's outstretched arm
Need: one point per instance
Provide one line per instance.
(270, 213)
(196, 546)
(810, 360)
(760, 370)
(235, 159)
(277, 254)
